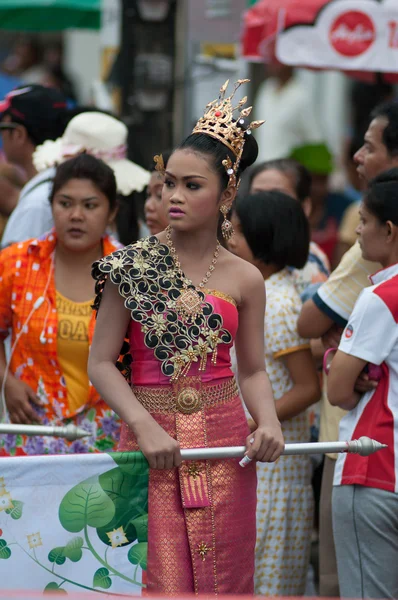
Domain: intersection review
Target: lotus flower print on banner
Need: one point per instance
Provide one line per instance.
(74, 523)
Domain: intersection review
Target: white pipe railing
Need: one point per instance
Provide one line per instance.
(69, 432)
(364, 446)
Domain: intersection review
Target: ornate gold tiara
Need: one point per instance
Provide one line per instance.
(218, 122)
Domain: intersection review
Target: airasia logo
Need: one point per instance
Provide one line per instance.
(352, 33)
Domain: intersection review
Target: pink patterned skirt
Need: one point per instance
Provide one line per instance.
(202, 516)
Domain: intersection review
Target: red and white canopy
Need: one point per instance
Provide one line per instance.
(357, 36)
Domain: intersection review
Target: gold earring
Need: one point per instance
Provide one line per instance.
(159, 164)
(226, 227)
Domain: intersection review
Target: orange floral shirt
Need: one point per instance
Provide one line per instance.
(26, 275)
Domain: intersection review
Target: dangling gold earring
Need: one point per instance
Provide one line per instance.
(226, 227)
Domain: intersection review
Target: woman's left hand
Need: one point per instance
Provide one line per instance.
(266, 443)
(364, 384)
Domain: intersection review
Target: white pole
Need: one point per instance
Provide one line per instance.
(364, 446)
(69, 432)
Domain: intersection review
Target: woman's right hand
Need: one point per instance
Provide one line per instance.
(331, 339)
(19, 400)
(160, 450)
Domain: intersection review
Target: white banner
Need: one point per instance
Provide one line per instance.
(351, 35)
(75, 523)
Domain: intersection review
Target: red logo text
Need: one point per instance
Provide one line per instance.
(352, 33)
(393, 36)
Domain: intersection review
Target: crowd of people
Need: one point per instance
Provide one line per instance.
(205, 322)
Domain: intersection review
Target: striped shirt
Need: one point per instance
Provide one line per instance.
(337, 296)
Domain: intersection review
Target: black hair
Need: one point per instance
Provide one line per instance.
(63, 82)
(275, 227)
(86, 166)
(126, 220)
(36, 134)
(301, 176)
(218, 151)
(355, 144)
(381, 198)
(389, 111)
(36, 50)
(166, 155)
(364, 98)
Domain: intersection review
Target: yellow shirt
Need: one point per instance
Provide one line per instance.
(73, 347)
(349, 223)
(337, 296)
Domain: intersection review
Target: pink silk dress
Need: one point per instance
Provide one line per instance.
(201, 542)
(202, 516)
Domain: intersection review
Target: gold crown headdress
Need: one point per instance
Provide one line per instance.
(218, 122)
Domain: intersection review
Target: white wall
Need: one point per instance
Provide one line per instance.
(330, 91)
(82, 51)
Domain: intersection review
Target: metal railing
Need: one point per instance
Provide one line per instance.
(364, 446)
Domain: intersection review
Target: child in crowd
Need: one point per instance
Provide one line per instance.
(272, 232)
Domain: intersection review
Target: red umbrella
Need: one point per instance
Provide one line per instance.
(260, 28)
(356, 36)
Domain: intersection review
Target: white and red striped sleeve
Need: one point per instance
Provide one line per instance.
(372, 330)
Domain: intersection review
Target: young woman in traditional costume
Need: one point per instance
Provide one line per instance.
(181, 326)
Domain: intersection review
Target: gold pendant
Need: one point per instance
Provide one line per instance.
(189, 305)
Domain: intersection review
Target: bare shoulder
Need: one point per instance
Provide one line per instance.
(246, 277)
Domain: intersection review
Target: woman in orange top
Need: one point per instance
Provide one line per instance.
(46, 292)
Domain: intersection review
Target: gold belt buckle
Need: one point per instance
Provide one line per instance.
(189, 401)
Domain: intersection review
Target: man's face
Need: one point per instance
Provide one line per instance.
(373, 158)
(9, 138)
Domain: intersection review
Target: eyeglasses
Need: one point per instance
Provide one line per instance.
(8, 126)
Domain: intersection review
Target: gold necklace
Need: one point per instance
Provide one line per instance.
(189, 303)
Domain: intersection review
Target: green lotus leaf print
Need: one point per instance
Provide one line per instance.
(128, 489)
(141, 527)
(53, 588)
(5, 551)
(73, 549)
(138, 555)
(104, 517)
(16, 511)
(84, 505)
(57, 556)
(102, 579)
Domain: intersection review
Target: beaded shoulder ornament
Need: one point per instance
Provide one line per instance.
(151, 283)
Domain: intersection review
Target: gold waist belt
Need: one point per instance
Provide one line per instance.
(187, 396)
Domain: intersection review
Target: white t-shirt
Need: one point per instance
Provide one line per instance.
(290, 119)
(32, 216)
(372, 335)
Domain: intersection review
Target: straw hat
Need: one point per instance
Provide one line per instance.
(102, 136)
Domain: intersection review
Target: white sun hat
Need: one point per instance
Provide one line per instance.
(101, 136)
